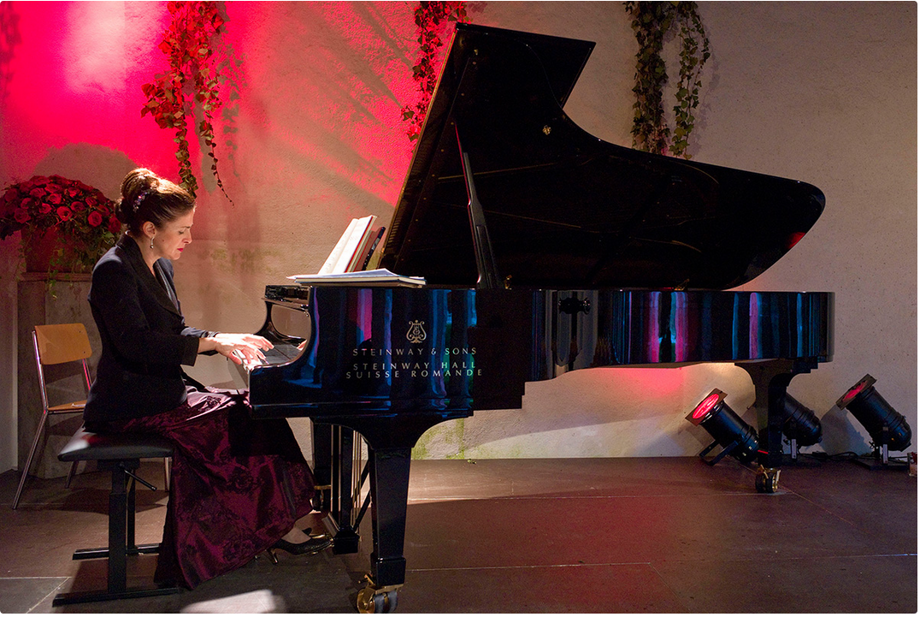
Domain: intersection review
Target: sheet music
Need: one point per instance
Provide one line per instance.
(366, 278)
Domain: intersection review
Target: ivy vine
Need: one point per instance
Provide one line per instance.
(430, 17)
(191, 83)
(652, 23)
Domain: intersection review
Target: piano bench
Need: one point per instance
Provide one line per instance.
(121, 454)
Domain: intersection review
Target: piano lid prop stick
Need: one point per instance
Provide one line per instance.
(485, 260)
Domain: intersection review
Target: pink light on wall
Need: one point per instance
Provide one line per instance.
(68, 82)
(344, 76)
(92, 48)
(311, 130)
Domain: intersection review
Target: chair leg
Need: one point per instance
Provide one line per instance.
(167, 470)
(71, 474)
(28, 465)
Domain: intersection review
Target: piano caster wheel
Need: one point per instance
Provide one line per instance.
(767, 480)
(371, 601)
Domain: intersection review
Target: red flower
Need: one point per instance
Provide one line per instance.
(40, 203)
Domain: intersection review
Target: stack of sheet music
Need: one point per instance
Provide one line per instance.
(355, 248)
(353, 253)
(367, 278)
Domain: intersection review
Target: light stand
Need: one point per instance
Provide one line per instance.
(736, 436)
(889, 429)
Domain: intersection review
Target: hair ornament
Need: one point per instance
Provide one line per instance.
(140, 198)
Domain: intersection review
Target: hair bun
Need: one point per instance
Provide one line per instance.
(147, 197)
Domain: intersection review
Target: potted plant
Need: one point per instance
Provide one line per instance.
(65, 224)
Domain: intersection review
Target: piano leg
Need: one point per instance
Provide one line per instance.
(771, 378)
(389, 476)
(389, 451)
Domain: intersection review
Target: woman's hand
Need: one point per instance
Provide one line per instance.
(240, 348)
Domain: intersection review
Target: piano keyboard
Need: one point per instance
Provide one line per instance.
(281, 353)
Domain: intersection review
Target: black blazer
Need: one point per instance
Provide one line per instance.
(144, 337)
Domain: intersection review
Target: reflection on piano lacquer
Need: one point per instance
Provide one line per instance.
(594, 255)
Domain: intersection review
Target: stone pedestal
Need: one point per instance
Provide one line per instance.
(65, 302)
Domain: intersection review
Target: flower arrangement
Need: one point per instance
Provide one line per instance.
(78, 220)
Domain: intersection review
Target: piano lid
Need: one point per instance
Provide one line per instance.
(565, 209)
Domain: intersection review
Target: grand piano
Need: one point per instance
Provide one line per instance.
(545, 250)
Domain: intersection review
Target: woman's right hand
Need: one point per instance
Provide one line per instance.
(239, 348)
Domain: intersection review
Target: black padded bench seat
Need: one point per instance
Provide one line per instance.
(86, 446)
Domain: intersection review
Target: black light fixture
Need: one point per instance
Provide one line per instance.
(800, 425)
(736, 436)
(889, 429)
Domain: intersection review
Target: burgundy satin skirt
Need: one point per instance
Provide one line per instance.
(238, 485)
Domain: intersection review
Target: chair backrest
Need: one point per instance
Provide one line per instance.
(59, 343)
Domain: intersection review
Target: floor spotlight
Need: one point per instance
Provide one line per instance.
(736, 436)
(800, 425)
(889, 429)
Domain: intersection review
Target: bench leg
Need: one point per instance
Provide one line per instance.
(122, 510)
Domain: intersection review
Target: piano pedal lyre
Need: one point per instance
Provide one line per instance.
(322, 497)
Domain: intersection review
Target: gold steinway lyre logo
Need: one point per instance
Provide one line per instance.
(416, 333)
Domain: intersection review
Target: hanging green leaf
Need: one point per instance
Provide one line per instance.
(188, 43)
(430, 18)
(652, 22)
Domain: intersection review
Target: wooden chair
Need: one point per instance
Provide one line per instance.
(121, 454)
(57, 344)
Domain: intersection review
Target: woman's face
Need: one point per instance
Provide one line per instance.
(172, 238)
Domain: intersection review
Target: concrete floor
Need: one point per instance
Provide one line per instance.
(669, 535)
